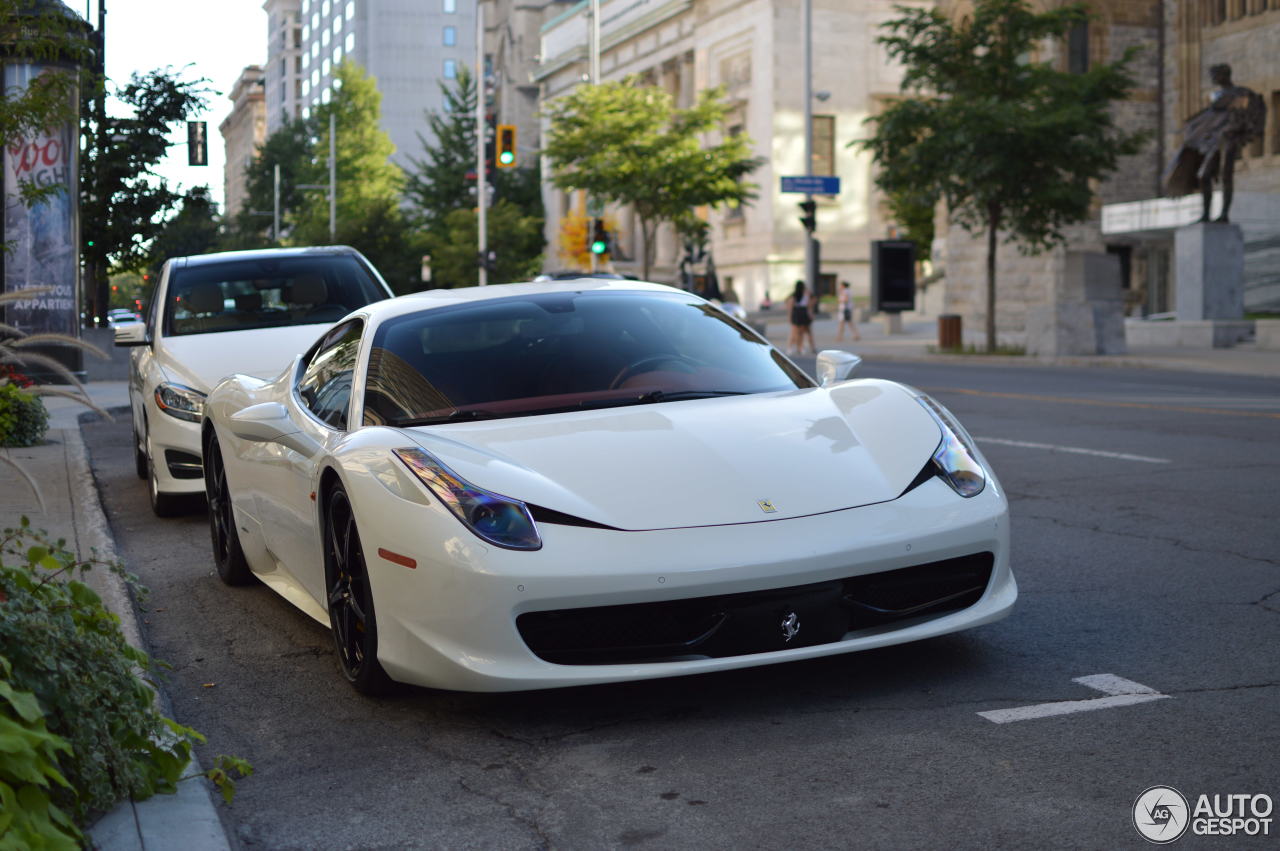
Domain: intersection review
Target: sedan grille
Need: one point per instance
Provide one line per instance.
(755, 621)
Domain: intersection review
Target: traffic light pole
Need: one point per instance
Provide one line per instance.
(482, 188)
(810, 253)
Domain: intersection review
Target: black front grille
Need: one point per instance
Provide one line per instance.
(755, 621)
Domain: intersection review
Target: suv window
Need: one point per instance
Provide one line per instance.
(239, 295)
(325, 387)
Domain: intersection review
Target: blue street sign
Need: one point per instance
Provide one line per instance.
(812, 185)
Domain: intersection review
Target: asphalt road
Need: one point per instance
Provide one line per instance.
(1145, 543)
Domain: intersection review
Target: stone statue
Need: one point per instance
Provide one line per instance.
(1212, 141)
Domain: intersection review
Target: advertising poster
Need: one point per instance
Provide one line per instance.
(41, 239)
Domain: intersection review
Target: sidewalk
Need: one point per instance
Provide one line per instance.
(72, 510)
(919, 333)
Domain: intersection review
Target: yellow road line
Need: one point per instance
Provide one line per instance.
(1102, 403)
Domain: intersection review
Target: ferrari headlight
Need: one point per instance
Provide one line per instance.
(181, 402)
(956, 458)
(495, 518)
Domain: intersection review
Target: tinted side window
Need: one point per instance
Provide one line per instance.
(325, 387)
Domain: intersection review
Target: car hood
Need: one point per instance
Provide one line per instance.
(200, 361)
(701, 462)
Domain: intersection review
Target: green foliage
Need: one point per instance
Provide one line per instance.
(629, 144)
(369, 217)
(445, 200)
(23, 418)
(28, 771)
(51, 35)
(1007, 142)
(124, 204)
(290, 148)
(65, 650)
(515, 238)
(192, 230)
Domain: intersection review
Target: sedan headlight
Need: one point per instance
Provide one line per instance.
(956, 458)
(181, 402)
(497, 519)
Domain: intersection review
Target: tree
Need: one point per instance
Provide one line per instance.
(289, 148)
(369, 217)
(192, 230)
(123, 202)
(1007, 141)
(443, 182)
(629, 144)
(50, 35)
(518, 253)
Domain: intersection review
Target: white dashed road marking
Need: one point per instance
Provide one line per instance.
(1119, 691)
(1075, 450)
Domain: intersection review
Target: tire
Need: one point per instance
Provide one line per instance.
(350, 599)
(139, 456)
(162, 504)
(228, 556)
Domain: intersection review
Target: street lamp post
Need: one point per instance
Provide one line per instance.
(806, 24)
(331, 188)
(482, 188)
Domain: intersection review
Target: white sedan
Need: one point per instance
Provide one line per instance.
(213, 315)
(543, 485)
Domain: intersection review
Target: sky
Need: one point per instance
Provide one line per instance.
(216, 39)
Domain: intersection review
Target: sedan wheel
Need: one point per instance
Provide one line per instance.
(233, 569)
(351, 615)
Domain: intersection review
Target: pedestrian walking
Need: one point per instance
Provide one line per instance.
(800, 313)
(846, 313)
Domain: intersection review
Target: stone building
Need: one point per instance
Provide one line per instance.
(753, 48)
(1071, 300)
(283, 71)
(409, 47)
(243, 130)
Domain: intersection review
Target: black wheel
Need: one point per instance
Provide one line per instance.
(351, 615)
(162, 504)
(139, 456)
(233, 569)
(649, 364)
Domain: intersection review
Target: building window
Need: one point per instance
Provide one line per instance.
(324, 8)
(337, 25)
(315, 21)
(306, 87)
(351, 42)
(1078, 48)
(450, 69)
(324, 69)
(824, 144)
(450, 36)
(450, 6)
(351, 9)
(324, 38)
(337, 54)
(306, 30)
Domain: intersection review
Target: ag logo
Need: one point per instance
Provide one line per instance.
(1160, 814)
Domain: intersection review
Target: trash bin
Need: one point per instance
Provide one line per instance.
(949, 336)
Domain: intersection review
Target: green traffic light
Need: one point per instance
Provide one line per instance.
(90, 243)
(506, 157)
(598, 246)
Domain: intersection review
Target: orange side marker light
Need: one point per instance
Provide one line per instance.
(396, 558)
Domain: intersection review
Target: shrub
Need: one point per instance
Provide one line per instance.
(71, 689)
(23, 418)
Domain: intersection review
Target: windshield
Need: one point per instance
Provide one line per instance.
(266, 293)
(554, 352)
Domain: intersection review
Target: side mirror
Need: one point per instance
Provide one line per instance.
(132, 334)
(269, 422)
(836, 365)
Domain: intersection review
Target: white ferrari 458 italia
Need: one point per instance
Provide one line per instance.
(553, 484)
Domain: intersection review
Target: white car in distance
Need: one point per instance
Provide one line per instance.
(212, 315)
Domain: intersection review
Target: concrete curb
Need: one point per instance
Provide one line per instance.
(187, 819)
